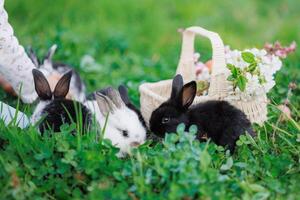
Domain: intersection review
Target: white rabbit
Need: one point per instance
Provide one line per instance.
(125, 126)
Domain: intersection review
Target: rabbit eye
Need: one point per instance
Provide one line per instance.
(125, 133)
(165, 120)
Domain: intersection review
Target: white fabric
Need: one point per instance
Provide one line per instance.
(15, 65)
(8, 114)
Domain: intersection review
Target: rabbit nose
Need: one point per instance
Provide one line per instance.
(135, 144)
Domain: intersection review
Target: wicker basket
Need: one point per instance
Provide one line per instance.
(153, 94)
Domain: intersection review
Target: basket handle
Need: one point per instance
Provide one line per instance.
(186, 65)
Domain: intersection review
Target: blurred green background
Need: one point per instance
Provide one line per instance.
(135, 41)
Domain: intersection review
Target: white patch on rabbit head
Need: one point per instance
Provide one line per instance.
(124, 129)
(37, 114)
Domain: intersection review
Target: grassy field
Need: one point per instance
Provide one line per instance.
(134, 42)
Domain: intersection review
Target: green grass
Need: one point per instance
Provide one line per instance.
(134, 42)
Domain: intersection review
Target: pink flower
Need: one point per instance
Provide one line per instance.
(278, 50)
(287, 114)
(199, 67)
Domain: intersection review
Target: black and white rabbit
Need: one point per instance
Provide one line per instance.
(125, 125)
(219, 120)
(55, 70)
(53, 109)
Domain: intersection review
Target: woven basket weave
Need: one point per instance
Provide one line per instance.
(153, 94)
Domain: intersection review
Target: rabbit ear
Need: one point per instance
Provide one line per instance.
(41, 84)
(49, 56)
(62, 87)
(124, 94)
(104, 103)
(33, 57)
(115, 97)
(177, 85)
(187, 94)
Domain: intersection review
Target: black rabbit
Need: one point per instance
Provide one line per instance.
(53, 109)
(219, 120)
